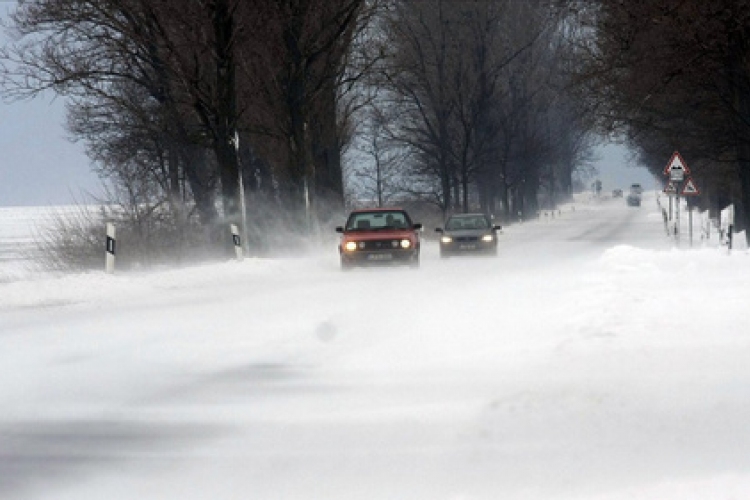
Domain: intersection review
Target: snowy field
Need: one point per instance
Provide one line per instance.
(21, 228)
(590, 360)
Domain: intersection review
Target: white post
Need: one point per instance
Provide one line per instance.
(237, 241)
(109, 264)
(677, 217)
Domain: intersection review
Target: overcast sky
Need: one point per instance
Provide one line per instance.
(616, 169)
(40, 166)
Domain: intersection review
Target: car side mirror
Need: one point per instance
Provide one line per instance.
(339, 229)
(497, 228)
(417, 226)
(438, 229)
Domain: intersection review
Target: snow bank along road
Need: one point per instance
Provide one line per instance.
(589, 360)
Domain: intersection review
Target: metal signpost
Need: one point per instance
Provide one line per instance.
(690, 189)
(671, 191)
(243, 207)
(677, 170)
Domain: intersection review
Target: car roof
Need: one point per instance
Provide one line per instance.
(468, 215)
(378, 209)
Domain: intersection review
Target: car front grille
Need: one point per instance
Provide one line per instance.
(375, 245)
(466, 239)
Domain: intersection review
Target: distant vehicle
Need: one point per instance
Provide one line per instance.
(636, 189)
(617, 193)
(468, 233)
(379, 236)
(634, 200)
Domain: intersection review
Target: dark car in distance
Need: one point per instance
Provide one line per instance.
(379, 236)
(634, 197)
(468, 234)
(634, 200)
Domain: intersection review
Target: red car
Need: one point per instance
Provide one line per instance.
(378, 236)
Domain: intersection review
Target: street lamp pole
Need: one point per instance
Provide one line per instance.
(243, 208)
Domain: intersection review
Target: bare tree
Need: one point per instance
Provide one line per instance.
(471, 83)
(109, 55)
(674, 75)
(380, 177)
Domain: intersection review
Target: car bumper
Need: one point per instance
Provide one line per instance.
(379, 257)
(457, 248)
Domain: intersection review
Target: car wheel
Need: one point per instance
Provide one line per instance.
(346, 266)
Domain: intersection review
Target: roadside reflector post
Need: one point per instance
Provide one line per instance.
(109, 259)
(237, 241)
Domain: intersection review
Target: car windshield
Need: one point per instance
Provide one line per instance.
(467, 222)
(377, 220)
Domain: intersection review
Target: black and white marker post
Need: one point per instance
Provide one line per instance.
(237, 241)
(109, 262)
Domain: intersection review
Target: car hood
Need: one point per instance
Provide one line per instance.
(385, 234)
(459, 233)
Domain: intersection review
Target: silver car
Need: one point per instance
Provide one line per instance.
(468, 234)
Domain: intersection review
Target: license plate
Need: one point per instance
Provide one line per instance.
(467, 247)
(379, 256)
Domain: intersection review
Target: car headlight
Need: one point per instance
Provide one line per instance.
(350, 246)
(446, 239)
(488, 238)
(405, 243)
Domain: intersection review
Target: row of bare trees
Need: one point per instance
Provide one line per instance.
(674, 75)
(176, 99)
(466, 105)
(472, 108)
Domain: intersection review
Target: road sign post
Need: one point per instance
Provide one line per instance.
(670, 207)
(670, 190)
(677, 170)
(677, 218)
(689, 190)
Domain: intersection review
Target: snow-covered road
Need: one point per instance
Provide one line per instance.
(589, 360)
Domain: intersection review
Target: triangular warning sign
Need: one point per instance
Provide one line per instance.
(676, 162)
(671, 188)
(690, 188)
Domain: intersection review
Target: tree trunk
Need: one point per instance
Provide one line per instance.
(465, 191)
(326, 155)
(531, 194)
(200, 182)
(740, 88)
(226, 119)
